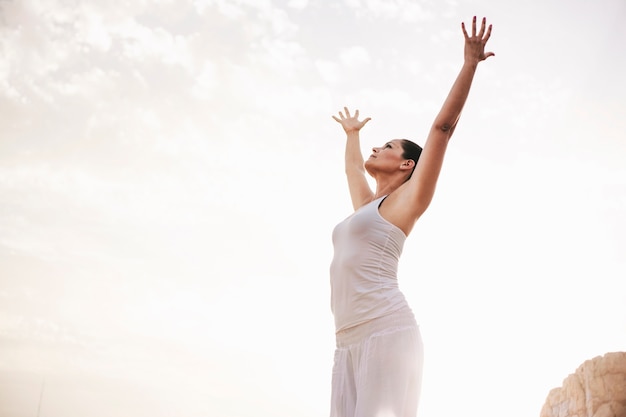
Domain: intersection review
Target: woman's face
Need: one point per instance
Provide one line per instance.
(387, 158)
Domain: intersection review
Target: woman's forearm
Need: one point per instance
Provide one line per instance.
(450, 112)
(474, 52)
(353, 156)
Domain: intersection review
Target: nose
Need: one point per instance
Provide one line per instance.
(375, 150)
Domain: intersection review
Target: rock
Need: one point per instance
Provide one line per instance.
(596, 389)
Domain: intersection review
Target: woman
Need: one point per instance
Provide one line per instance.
(378, 361)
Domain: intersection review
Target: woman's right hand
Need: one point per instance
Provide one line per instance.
(350, 123)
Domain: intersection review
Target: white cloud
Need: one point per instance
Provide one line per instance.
(278, 21)
(298, 4)
(402, 10)
(282, 58)
(353, 3)
(328, 70)
(93, 31)
(140, 43)
(206, 81)
(355, 56)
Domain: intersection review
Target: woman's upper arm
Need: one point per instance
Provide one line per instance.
(421, 186)
(360, 191)
(405, 205)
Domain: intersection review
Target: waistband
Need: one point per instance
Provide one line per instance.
(397, 320)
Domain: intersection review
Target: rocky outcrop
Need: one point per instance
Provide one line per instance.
(596, 389)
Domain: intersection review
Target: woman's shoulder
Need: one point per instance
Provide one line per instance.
(397, 208)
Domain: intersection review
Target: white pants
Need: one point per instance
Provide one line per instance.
(378, 368)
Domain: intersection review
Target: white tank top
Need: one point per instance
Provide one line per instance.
(363, 272)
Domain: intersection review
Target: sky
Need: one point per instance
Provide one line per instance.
(170, 176)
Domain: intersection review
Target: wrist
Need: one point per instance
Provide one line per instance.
(471, 64)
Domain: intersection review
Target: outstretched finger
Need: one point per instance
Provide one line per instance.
(347, 111)
(474, 26)
(482, 27)
(487, 35)
(464, 31)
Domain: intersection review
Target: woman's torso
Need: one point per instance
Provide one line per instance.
(363, 272)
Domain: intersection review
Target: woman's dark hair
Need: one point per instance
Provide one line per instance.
(411, 150)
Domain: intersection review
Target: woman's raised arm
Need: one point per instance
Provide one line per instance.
(360, 191)
(420, 189)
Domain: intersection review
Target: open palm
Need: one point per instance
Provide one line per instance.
(350, 123)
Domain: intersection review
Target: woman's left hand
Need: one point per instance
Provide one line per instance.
(475, 44)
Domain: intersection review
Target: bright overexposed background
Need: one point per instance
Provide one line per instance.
(170, 175)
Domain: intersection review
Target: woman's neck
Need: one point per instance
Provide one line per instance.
(387, 186)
